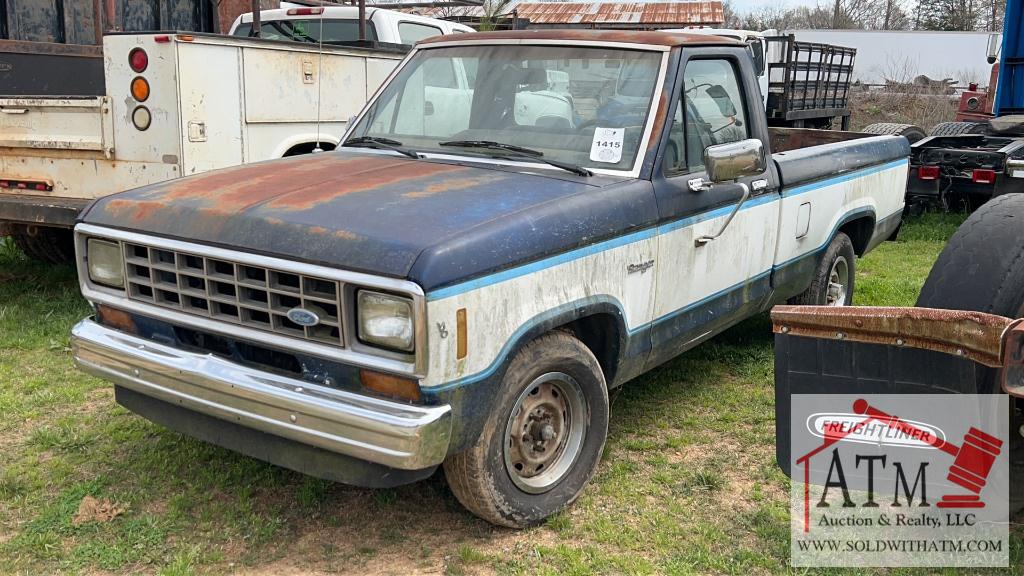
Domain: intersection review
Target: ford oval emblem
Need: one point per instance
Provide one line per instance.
(303, 317)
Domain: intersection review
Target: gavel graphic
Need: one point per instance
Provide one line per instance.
(972, 460)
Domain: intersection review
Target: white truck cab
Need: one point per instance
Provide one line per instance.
(341, 24)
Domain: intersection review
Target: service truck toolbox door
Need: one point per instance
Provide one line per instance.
(61, 123)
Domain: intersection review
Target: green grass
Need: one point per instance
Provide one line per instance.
(688, 483)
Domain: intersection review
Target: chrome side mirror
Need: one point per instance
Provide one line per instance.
(730, 162)
(735, 160)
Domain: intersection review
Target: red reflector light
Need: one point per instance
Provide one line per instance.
(982, 176)
(162, 39)
(304, 11)
(41, 185)
(138, 59)
(928, 172)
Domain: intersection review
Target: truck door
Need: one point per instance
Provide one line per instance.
(704, 288)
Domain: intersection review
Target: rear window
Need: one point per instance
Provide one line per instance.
(412, 32)
(308, 30)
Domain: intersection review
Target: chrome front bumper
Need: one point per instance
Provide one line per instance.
(388, 433)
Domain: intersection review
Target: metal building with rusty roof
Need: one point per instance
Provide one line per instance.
(631, 15)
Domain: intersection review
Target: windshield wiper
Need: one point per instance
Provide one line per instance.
(386, 143)
(517, 152)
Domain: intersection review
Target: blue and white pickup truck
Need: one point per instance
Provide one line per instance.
(464, 291)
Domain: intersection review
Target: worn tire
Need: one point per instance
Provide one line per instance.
(479, 477)
(817, 293)
(909, 131)
(982, 269)
(957, 128)
(51, 245)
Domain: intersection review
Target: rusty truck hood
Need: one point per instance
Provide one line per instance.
(360, 211)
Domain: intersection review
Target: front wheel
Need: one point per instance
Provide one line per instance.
(543, 440)
(833, 281)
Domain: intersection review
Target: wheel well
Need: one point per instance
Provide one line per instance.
(599, 333)
(307, 148)
(859, 230)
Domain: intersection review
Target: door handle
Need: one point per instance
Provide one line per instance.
(702, 240)
(14, 110)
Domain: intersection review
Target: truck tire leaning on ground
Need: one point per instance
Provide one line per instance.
(908, 131)
(834, 279)
(543, 440)
(956, 128)
(982, 269)
(51, 245)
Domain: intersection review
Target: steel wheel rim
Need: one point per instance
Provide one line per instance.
(838, 283)
(545, 431)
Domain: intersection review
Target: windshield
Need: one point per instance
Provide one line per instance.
(308, 30)
(579, 105)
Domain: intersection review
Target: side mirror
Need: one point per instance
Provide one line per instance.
(735, 160)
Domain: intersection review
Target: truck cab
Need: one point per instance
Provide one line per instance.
(340, 24)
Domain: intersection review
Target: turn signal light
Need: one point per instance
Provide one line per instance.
(983, 176)
(138, 59)
(928, 172)
(389, 385)
(140, 89)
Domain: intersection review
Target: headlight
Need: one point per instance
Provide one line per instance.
(106, 263)
(385, 320)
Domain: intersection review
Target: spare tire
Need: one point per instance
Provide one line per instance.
(909, 131)
(957, 128)
(982, 269)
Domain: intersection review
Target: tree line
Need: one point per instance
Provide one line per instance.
(874, 15)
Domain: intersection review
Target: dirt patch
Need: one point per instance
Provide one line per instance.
(93, 510)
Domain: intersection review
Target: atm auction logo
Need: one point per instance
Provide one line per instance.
(872, 488)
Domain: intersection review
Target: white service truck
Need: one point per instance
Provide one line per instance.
(179, 104)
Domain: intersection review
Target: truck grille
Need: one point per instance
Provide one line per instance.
(252, 296)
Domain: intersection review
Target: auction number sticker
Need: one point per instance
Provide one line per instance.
(607, 145)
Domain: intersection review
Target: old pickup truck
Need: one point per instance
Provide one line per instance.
(464, 291)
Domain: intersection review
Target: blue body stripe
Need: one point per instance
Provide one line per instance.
(843, 178)
(629, 238)
(645, 234)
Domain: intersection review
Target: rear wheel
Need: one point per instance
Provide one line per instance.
(957, 128)
(43, 243)
(543, 440)
(982, 269)
(909, 131)
(833, 281)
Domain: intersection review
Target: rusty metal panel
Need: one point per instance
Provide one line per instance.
(785, 139)
(61, 124)
(44, 69)
(149, 15)
(624, 13)
(972, 335)
(35, 20)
